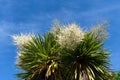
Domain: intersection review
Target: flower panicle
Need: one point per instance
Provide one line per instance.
(22, 39)
(70, 36)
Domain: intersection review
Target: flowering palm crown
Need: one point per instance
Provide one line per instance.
(65, 53)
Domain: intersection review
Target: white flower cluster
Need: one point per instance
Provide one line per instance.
(22, 39)
(70, 36)
(100, 32)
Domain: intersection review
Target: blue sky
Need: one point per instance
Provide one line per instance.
(24, 16)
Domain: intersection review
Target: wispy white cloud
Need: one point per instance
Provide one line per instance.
(8, 29)
(67, 14)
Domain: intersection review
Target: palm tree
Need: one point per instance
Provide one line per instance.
(65, 53)
(89, 61)
(40, 59)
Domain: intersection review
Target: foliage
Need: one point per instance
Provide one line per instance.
(65, 53)
(117, 77)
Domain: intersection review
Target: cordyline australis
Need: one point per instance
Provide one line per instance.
(66, 52)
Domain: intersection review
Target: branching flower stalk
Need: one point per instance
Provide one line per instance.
(100, 32)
